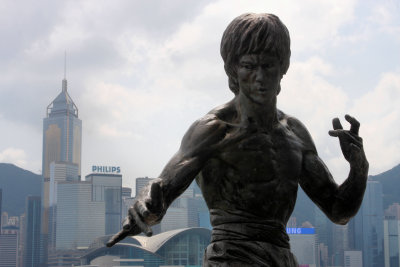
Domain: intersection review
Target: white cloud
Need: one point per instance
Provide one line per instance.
(308, 95)
(140, 73)
(378, 113)
(15, 156)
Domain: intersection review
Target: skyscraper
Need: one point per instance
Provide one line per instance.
(1, 197)
(392, 235)
(62, 137)
(59, 172)
(366, 228)
(79, 219)
(9, 246)
(107, 188)
(303, 243)
(32, 232)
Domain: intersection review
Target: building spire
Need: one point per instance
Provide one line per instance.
(64, 81)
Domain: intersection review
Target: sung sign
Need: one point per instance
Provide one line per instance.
(300, 231)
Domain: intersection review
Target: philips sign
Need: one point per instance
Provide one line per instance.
(106, 169)
(300, 231)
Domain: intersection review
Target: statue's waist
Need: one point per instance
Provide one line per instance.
(239, 226)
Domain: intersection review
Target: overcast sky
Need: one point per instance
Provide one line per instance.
(141, 72)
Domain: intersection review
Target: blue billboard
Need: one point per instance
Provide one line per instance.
(300, 231)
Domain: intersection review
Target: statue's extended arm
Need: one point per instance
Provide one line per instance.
(153, 201)
(339, 203)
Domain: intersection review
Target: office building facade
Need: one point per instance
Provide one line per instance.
(391, 232)
(353, 258)
(9, 246)
(1, 197)
(303, 243)
(59, 172)
(140, 183)
(107, 189)
(31, 248)
(366, 228)
(79, 219)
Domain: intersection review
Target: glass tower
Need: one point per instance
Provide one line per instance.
(366, 228)
(32, 232)
(107, 189)
(62, 138)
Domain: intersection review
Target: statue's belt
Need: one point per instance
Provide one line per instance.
(243, 228)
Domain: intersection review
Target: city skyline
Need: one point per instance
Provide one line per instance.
(142, 72)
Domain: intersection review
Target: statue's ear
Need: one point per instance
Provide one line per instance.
(233, 85)
(232, 81)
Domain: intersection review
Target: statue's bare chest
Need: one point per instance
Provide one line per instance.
(261, 157)
(258, 168)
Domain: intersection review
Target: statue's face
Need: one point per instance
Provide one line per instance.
(259, 77)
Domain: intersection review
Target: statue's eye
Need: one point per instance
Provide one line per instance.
(267, 65)
(249, 66)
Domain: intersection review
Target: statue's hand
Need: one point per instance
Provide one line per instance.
(140, 216)
(350, 142)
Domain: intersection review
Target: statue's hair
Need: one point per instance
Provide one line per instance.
(253, 34)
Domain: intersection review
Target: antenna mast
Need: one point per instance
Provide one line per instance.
(64, 81)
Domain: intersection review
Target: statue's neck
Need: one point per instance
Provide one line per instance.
(262, 116)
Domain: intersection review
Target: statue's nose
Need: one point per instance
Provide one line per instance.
(260, 75)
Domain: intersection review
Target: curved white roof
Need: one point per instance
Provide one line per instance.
(155, 242)
(150, 244)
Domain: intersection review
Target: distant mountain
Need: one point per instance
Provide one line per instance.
(17, 184)
(390, 181)
(304, 209)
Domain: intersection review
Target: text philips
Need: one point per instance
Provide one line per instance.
(106, 169)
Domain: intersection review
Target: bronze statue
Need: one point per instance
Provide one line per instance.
(250, 158)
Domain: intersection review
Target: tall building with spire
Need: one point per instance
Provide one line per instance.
(62, 139)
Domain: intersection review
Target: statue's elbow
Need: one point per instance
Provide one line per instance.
(340, 219)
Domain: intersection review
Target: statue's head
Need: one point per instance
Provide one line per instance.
(254, 34)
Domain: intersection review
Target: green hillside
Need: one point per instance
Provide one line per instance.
(17, 184)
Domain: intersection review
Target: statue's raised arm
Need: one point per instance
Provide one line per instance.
(339, 203)
(197, 145)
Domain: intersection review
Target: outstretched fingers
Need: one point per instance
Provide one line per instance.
(336, 124)
(137, 213)
(355, 125)
(337, 127)
(128, 228)
(118, 237)
(155, 201)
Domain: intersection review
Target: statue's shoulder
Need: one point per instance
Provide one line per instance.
(224, 113)
(299, 129)
(208, 130)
